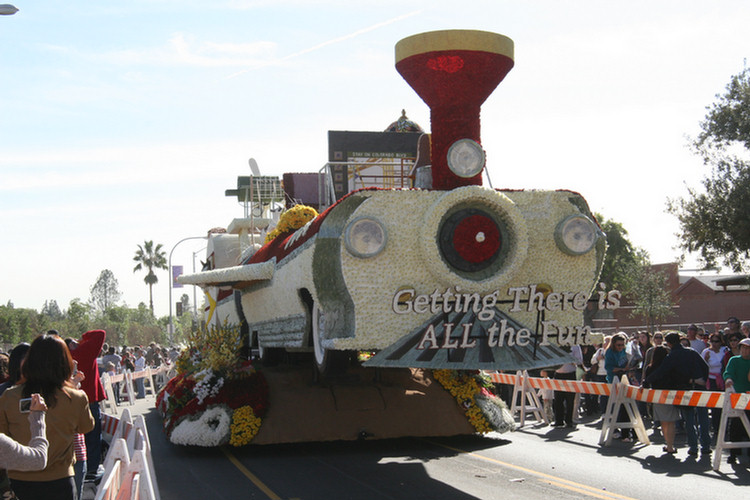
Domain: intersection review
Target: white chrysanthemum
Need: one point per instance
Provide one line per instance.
(211, 428)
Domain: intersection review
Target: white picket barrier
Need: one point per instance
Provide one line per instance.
(144, 374)
(128, 467)
(619, 399)
(526, 400)
(126, 388)
(729, 410)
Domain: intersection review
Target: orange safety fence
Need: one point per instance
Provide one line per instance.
(708, 399)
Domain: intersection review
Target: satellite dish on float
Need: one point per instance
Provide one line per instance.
(254, 166)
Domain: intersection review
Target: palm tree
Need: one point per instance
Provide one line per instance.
(150, 257)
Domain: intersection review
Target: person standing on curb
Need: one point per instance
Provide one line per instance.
(737, 377)
(85, 352)
(687, 370)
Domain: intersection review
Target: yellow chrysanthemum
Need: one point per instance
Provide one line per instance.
(245, 425)
(291, 220)
(464, 388)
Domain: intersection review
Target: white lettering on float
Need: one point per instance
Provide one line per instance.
(407, 301)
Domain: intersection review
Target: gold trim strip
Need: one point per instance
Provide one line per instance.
(433, 41)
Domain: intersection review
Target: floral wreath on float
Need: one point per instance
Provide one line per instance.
(216, 397)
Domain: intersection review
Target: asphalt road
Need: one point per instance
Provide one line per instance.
(531, 463)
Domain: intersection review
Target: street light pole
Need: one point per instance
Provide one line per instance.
(171, 281)
(195, 298)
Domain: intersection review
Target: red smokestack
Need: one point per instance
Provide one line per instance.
(453, 72)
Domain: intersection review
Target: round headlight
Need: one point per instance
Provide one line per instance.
(466, 158)
(576, 235)
(365, 237)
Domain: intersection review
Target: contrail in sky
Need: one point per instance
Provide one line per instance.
(329, 42)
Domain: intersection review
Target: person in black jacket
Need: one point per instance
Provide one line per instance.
(687, 370)
(665, 414)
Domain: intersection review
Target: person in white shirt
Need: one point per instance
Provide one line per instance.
(714, 356)
(140, 364)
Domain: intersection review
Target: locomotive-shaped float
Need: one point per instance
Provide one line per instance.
(446, 273)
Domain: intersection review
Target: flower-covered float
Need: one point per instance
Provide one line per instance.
(436, 281)
(447, 274)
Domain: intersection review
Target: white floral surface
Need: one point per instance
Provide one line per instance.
(411, 260)
(212, 428)
(404, 263)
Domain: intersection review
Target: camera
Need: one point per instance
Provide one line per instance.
(24, 405)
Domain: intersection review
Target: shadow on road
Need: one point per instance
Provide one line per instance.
(367, 469)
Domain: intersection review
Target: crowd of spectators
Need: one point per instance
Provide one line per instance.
(691, 360)
(131, 359)
(61, 378)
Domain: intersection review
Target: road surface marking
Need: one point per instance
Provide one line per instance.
(558, 481)
(252, 477)
(586, 490)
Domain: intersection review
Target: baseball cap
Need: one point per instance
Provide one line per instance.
(745, 342)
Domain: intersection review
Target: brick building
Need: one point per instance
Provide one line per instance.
(706, 300)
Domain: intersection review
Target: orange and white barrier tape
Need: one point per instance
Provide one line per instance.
(578, 386)
(708, 399)
(503, 378)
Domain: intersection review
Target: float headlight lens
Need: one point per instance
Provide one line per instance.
(365, 237)
(576, 235)
(466, 158)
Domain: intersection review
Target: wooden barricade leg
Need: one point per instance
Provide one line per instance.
(109, 404)
(728, 412)
(139, 466)
(517, 390)
(610, 423)
(634, 416)
(525, 400)
(610, 415)
(140, 425)
(115, 464)
(577, 408)
(127, 388)
(151, 387)
(110, 483)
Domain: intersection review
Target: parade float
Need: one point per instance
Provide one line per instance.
(427, 281)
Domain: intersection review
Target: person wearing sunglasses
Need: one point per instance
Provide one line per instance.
(733, 349)
(616, 364)
(714, 356)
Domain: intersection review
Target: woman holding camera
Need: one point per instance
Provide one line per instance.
(34, 456)
(47, 370)
(18, 456)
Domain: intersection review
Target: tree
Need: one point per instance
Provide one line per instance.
(77, 316)
(714, 221)
(52, 310)
(618, 264)
(649, 291)
(621, 253)
(105, 291)
(150, 257)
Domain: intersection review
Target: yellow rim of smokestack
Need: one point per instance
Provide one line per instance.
(434, 41)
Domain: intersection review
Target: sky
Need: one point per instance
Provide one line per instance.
(122, 122)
